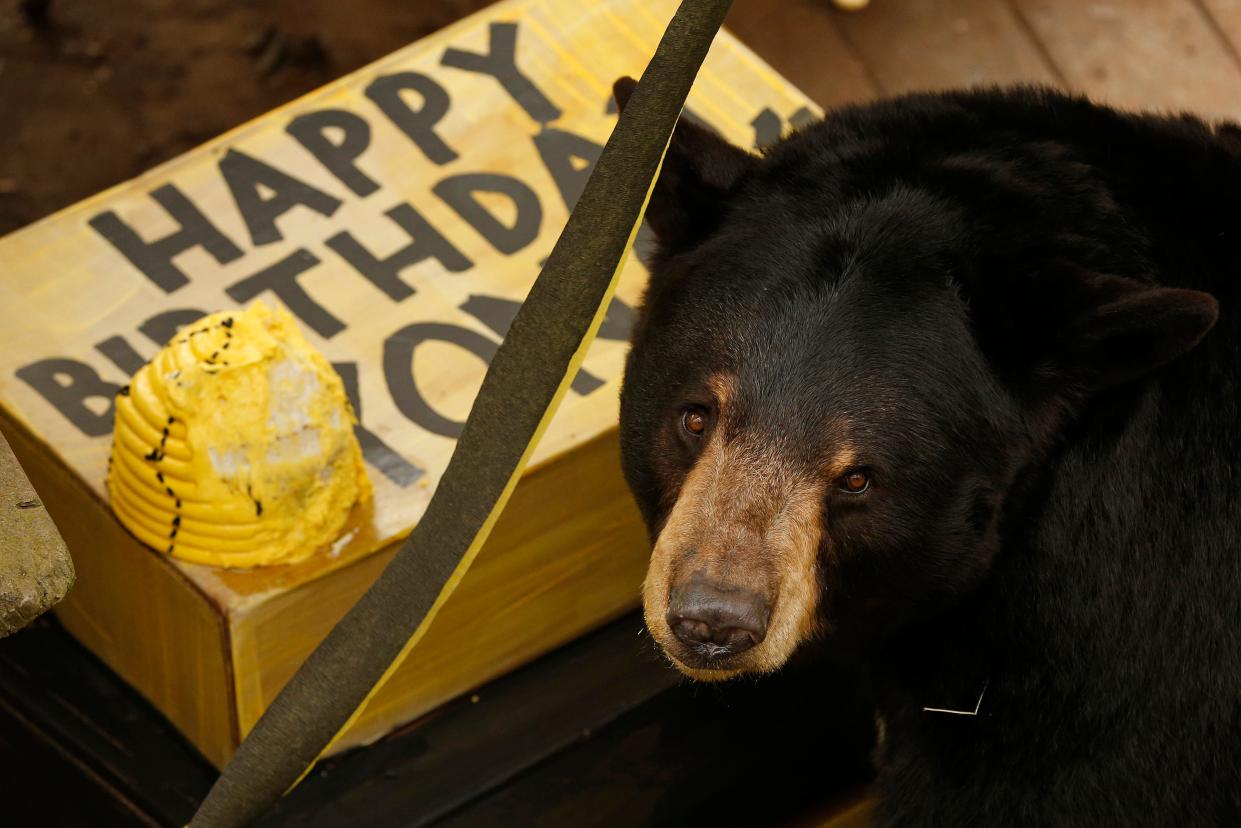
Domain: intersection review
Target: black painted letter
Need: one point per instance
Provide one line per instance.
(500, 62)
(768, 126)
(154, 258)
(281, 279)
(376, 452)
(427, 242)
(399, 365)
(569, 158)
(458, 193)
(497, 314)
(121, 353)
(311, 131)
(67, 384)
(418, 124)
(244, 174)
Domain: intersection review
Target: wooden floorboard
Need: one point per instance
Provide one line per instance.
(702, 754)
(1171, 55)
(1225, 17)
(600, 732)
(477, 743)
(800, 39)
(44, 783)
(936, 44)
(1140, 54)
(80, 730)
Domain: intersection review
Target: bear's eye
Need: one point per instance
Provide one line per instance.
(854, 482)
(695, 421)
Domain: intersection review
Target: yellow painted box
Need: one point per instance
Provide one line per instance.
(401, 214)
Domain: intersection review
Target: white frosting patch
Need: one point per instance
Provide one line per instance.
(294, 390)
(300, 445)
(228, 463)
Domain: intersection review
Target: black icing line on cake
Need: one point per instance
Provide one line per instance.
(156, 455)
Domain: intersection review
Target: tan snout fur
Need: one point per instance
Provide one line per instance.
(746, 519)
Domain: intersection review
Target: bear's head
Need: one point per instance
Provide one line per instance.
(850, 349)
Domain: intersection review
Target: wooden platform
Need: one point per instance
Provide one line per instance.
(598, 733)
(1170, 55)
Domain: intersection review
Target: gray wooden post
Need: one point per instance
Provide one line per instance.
(35, 568)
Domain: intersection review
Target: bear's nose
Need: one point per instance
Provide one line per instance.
(714, 620)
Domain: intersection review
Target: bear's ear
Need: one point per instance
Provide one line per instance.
(1100, 330)
(698, 172)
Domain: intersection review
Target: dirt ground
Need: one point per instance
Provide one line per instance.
(93, 92)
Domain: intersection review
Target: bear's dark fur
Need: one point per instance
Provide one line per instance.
(1006, 296)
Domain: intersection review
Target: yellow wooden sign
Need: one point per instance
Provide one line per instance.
(401, 214)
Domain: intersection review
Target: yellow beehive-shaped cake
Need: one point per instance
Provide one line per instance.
(234, 446)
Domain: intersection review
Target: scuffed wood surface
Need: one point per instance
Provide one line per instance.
(1165, 55)
(35, 568)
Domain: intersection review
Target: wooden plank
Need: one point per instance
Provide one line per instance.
(800, 40)
(81, 734)
(1140, 54)
(479, 742)
(35, 568)
(43, 785)
(571, 739)
(937, 44)
(733, 754)
(1225, 17)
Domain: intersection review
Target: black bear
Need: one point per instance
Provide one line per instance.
(952, 380)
